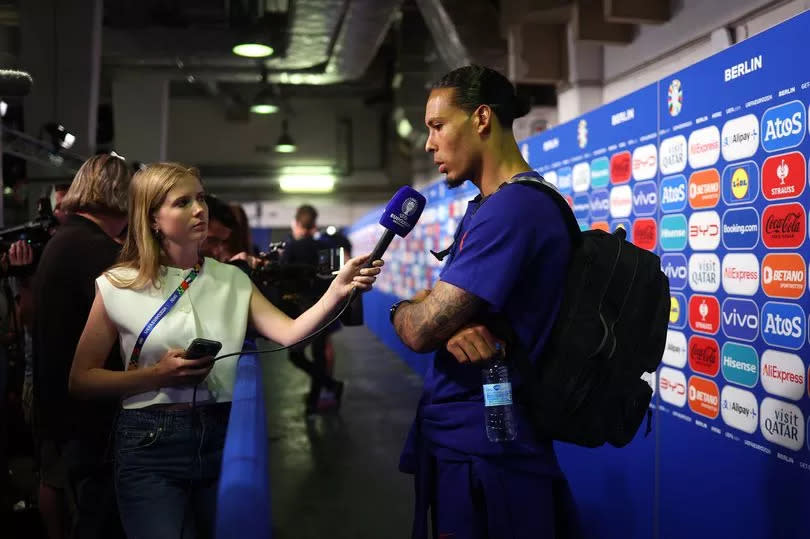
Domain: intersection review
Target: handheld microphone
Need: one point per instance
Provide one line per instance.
(399, 218)
(14, 83)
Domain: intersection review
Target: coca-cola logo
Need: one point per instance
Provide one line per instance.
(620, 167)
(784, 226)
(704, 354)
(645, 233)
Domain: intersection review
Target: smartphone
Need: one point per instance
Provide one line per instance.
(202, 348)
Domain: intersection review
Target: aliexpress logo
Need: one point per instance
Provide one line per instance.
(704, 397)
(704, 314)
(620, 167)
(784, 275)
(704, 188)
(784, 176)
(784, 226)
(704, 355)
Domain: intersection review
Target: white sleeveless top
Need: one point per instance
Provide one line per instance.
(215, 306)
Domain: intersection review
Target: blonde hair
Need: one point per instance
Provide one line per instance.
(100, 186)
(141, 251)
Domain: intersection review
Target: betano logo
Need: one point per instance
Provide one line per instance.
(673, 155)
(704, 272)
(740, 183)
(784, 176)
(740, 137)
(740, 319)
(704, 314)
(740, 229)
(704, 230)
(673, 194)
(621, 201)
(782, 423)
(783, 325)
(783, 126)
(704, 355)
(704, 188)
(740, 274)
(675, 349)
(704, 397)
(784, 275)
(645, 198)
(783, 374)
(740, 364)
(674, 266)
(739, 409)
(672, 386)
(620, 168)
(673, 232)
(645, 162)
(704, 147)
(645, 233)
(784, 226)
(581, 177)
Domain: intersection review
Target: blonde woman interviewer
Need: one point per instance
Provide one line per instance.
(168, 463)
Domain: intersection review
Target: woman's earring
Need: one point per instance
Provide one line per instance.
(158, 233)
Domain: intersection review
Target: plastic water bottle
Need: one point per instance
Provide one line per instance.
(500, 419)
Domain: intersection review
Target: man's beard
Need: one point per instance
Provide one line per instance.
(453, 183)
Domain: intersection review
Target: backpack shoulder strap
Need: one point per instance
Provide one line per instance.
(571, 223)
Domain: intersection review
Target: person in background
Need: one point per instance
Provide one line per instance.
(508, 263)
(167, 469)
(240, 240)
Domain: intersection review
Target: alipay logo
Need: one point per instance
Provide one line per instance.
(738, 409)
(783, 325)
(783, 126)
(673, 194)
(675, 268)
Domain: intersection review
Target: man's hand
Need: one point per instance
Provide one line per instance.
(20, 253)
(473, 343)
(252, 261)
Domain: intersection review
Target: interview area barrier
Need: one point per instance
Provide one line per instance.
(708, 169)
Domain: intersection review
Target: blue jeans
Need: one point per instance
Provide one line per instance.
(167, 470)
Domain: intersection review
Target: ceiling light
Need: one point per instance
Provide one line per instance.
(285, 142)
(323, 183)
(264, 102)
(253, 50)
(3, 108)
(304, 170)
(404, 128)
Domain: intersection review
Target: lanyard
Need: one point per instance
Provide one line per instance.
(158, 316)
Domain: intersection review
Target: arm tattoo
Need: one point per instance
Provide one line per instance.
(426, 325)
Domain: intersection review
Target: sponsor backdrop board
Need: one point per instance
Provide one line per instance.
(708, 168)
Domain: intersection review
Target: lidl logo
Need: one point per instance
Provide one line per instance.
(674, 267)
(677, 310)
(620, 167)
(645, 233)
(564, 179)
(673, 233)
(739, 409)
(784, 226)
(783, 126)
(784, 176)
(704, 355)
(704, 188)
(704, 272)
(740, 364)
(673, 194)
(582, 206)
(740, 229)
(783, 325)
(645, 198)
(740, 183)
(741, 274)
(783, 275)
(783, 374)
(600, 173)
(600, 204)
(782, 423)
(704, 397)
(704, 314)
(740, 319)
(740, 137)
(672, 386)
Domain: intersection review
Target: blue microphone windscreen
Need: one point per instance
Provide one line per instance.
(403, 211)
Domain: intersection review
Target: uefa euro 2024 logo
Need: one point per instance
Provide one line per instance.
(409, 206)
(675, 97)
(582, 133)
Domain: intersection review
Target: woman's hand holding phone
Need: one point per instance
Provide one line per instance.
(175, 369)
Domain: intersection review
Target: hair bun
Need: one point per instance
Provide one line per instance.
(520, 106)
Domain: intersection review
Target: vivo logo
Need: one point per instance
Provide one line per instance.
(645, 198)
(740, 318)
(674, 267)
(600, 204)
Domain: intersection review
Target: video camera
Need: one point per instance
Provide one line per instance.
(294, 288)
(36, 233)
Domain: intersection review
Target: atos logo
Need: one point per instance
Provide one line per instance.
(582, 206)
(600, 173)
(704, 314)
(674, 267)
(704, 230)
(740, 183)
(645, 198)
(625, 224)
(620, 168)
(564, 179)
(645, 233)
(783, 126)
(740, 319)
(673, 194)
(784, 176)
(704, 355)
(672, 386)
(739, 409)
(673, 233)
(704, 397)
(677, 310)
(783, 325)
(740, 364)
(740, 229)
(600, 204)
(704, 272)
(784, 226)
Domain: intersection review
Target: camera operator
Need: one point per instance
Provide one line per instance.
(324, 391)
(73, 435)
(222, 225)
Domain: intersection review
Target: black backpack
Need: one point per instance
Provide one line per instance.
(611, 328)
